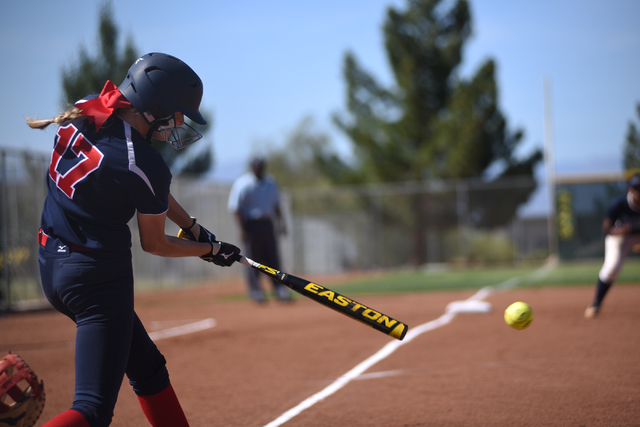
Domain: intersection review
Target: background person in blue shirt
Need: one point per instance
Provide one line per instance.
(255, 202)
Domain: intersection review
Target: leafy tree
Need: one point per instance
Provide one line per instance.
(293, 164)
(90, 73)
(632, 145)
(294, 168)
(431, 125)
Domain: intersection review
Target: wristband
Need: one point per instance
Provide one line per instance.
(192, 224)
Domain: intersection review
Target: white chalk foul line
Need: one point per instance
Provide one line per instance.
(173, 332)
(359, 369)
(393, 346)
(183, 330)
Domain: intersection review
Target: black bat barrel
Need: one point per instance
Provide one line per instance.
(347, 306)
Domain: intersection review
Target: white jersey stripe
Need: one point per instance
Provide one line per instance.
(132, 157)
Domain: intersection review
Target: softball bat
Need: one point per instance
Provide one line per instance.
(332, 299)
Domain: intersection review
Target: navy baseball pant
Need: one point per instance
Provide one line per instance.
(95, 290)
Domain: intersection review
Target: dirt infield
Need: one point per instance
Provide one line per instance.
(260, 361)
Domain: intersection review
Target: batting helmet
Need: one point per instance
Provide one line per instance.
(157, 86)
(20, 404)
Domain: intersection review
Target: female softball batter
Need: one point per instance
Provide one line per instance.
(102, 172)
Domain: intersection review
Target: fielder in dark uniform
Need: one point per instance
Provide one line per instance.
(621, 227)
(103, 171)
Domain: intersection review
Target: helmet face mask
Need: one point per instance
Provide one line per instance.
(178, 136)
(158, 86)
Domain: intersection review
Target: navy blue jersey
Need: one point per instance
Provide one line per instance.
(97, 180)
(620, 210)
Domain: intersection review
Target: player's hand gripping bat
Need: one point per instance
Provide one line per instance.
(331, 299)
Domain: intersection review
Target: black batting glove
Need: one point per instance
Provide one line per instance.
(187, 233)
(204, 235)
(226, 256)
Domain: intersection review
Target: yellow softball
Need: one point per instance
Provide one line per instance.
(518, 315)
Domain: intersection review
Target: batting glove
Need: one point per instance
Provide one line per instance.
(226, 255)
(203, 236)
(187, 233)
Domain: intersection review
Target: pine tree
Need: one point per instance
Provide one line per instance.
(432, 124)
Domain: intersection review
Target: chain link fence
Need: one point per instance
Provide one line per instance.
(22, 193)
(386, 226)
(330, 230)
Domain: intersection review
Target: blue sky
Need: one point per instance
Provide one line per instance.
(268, 64)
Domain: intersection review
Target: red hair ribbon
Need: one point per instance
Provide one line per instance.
(99, 109)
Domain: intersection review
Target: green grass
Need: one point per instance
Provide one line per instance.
(565, 274)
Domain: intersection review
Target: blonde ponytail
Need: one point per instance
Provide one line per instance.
(67, 116)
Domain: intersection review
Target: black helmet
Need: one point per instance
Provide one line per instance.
(157, 86)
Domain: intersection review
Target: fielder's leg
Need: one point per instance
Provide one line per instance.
(616, 249)
(594, 308)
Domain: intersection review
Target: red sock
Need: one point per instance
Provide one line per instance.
(70, 418)
(163, 409)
